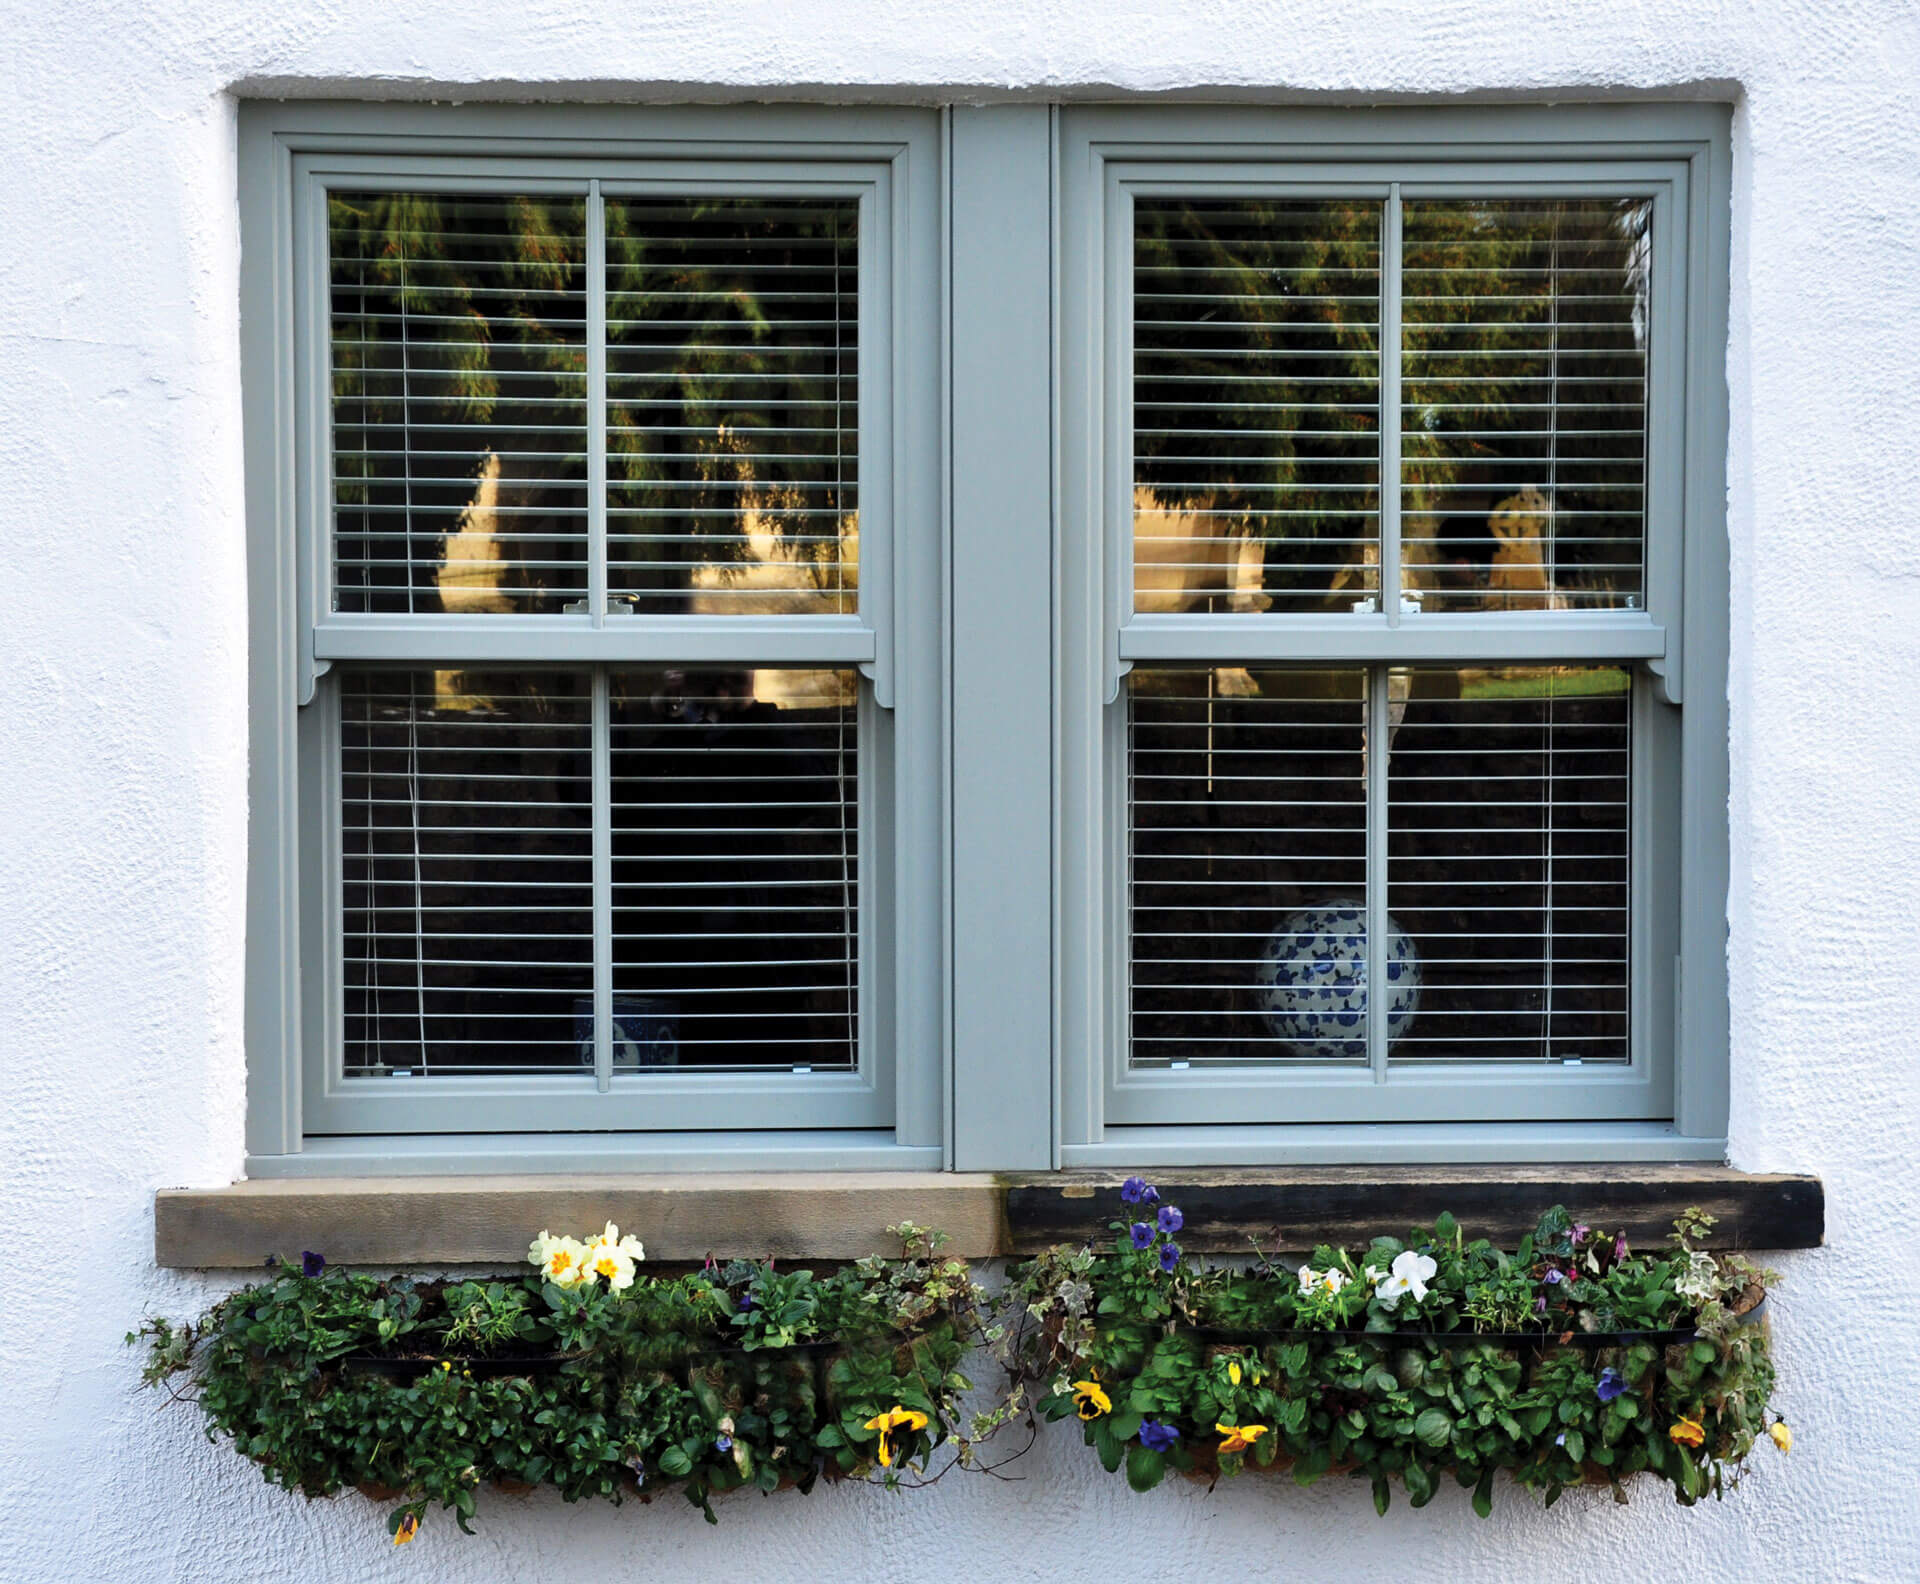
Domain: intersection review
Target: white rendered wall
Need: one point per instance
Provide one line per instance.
(123, 743)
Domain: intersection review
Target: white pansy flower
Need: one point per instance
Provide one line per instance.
(1309, 1278)
(1410, 1274)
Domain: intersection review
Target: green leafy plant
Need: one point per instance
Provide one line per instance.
(1568, 1360)
(585, 1376)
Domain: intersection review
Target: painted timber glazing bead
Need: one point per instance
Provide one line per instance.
(1313, 981)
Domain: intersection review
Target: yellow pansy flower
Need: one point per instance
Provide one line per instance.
(1233, 1371)
(895, 1419)
(1782, 1436)
(1090, 1399)
(1687, 1432)
(1239, 1437)
(409, 1527)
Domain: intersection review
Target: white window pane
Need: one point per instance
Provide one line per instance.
(458, 326)
(735, 869)
(733, 404)
(1256, 404)
(1524, 419)
(467, 868)
(1508, 821)
(1247, 856)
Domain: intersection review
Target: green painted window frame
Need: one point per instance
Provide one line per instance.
(1670, 1100)
(300, 1101)
(999, 646)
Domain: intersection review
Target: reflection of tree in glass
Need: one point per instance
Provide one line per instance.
(1524, 428)
(459, 382)
(732, 403)
(1256, 418)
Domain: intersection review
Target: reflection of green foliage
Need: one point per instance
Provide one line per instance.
(1573, 682)
(1278, 310)
(467, 275)
(724, 386)
(1278, 302)
(1491, 288)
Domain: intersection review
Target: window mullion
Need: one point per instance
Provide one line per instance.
(1390, 407)
(597, 405)
(602, 880)
(1379, 998)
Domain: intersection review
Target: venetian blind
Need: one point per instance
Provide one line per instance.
(1503, 827)
(1524, 421)
(733, 404)
(1507, 861)
(459, 370)
(684, 843)
(1247, 804)
(1256, 404)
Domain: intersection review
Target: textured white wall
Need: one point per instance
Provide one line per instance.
(122, 791)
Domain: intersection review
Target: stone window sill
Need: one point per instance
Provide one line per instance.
(398, 1221)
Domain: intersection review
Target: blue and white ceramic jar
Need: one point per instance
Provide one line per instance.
(1313, 980)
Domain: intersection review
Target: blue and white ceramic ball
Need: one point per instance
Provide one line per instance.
(1313, 980)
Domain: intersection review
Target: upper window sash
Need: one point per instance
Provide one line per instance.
(1385, 620)
(606, 628)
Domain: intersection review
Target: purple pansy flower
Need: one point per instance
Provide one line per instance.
(1561, 1439)
(311, 1264)
(723, 1443)
(1171, 1220)
(1612, 1384)
(1157, 1437)
(1555, 1278)
(1137, 1190)
(1540, 1306)
(1169, 1256)
(1141, 1233)
(639, 1468)
(746, 1302)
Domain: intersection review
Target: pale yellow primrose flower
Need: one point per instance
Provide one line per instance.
(610, 1257)
(629, 1245)
(562, 1260)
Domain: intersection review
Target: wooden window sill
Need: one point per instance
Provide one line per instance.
(400, 1221)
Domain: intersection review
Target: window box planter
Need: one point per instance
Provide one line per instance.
(609, 1386)
(1569, 1361)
